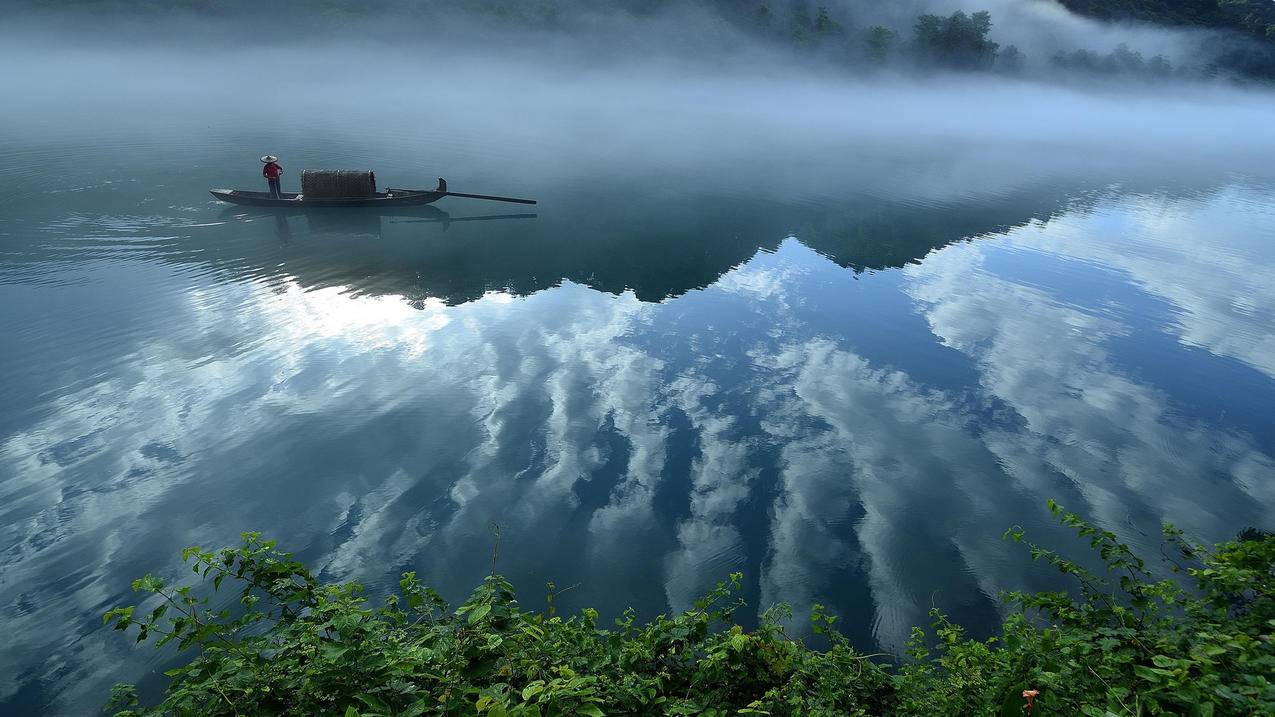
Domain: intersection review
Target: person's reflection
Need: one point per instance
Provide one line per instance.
(282, 228)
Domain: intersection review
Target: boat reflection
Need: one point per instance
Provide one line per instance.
(655, 249)
(359, 221)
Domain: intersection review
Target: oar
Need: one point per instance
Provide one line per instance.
(469, 196)
(488, 196)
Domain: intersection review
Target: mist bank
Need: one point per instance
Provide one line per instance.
(529, 120)
(864, 170)
(656, 116)
(1034, 38)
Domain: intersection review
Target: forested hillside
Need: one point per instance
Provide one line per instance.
(1235, 39)
(1255, 16)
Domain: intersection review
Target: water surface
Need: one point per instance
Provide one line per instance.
(839, 356)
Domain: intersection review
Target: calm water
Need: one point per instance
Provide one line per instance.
(840, 363)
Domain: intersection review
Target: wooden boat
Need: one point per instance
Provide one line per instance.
(388, 198)
(391, 198)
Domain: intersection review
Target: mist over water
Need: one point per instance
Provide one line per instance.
(834, 331)
(591, 33)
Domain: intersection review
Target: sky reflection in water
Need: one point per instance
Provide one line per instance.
(856, 440)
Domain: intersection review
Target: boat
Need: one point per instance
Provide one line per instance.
(389, 198)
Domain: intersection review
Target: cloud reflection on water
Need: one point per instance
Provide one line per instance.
(373, 435)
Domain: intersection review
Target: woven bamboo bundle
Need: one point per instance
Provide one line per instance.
(335, 183)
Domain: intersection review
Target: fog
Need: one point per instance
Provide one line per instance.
(588, 33)
(1044, 27)
(529, 123)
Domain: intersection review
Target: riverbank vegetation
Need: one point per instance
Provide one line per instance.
(837, 32)
(1123, 641)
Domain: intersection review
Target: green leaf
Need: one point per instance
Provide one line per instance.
(372, 702)
(479, 613)
(314, 644)
(532, 690)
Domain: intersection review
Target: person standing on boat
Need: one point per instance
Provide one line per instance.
(271, 172)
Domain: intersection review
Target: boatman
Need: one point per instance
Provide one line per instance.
(271, 172)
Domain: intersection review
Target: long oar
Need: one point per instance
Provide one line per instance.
(488, 196)
(470, 196)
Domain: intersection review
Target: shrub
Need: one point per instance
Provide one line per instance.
(1124, 643)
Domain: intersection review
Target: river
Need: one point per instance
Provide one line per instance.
(838, 339)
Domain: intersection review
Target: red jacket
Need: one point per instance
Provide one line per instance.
(271, 170)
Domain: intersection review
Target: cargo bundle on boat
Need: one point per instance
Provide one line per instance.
(338, 183)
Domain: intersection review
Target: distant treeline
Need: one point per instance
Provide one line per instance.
(960, 41)
(1252, 16)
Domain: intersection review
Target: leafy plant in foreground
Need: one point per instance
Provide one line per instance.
(1124, 643)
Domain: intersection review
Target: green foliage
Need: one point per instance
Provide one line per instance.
(1124, 643)
(1133, 644)
(824, 25)
(958, 40)
(1255, 16)
(880, 42)
(1121, 61)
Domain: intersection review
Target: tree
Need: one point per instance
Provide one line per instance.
(880, 41)
(800, 25)
(958, 41)
(763, 18)
(1128, 60)
(1010, 60)
(824, 25)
